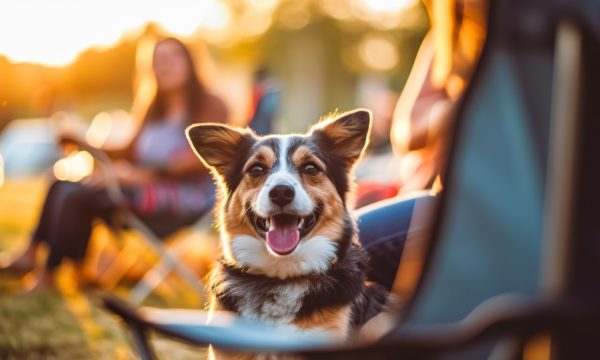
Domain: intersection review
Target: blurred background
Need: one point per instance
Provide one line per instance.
(77, 60)
(73, 66)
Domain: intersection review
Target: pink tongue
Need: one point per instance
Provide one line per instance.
(283, 237)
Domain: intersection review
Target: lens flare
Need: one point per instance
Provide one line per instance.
(99, 130)
(55, 32)
(378, 52)
(1, 170)
(74, 167)
(388, 5)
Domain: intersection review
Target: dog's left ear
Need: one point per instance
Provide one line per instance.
(345, 136)
(220, 147)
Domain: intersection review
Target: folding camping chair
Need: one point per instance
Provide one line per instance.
(515, 246)
(168, 260)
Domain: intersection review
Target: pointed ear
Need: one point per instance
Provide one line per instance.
(220, 147)
(345, 136)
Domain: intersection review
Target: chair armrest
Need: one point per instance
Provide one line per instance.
(520, 320)
(222, 329)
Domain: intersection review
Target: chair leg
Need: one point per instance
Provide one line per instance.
(169, 262)
(149, 282)
(123, 262)
(157, 275)
(140, 341)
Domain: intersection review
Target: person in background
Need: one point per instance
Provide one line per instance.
(425, 112)
(163, 181)
(266, 98)
(421, 129)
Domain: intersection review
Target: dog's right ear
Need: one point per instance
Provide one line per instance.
(220, 147)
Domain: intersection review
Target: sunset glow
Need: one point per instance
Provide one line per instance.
(74, 167)
(55, 32)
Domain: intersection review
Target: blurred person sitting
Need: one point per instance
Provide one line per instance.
(265, 102)
(163, 181)
(421, 128)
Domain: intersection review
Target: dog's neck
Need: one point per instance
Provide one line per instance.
(287, 300)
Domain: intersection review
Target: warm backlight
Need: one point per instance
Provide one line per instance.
(74, 167)
(55, 32)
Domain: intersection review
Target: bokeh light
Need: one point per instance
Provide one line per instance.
(99, 130)
(378, 52)
(388, 5)
(55, 32)
(74, 167)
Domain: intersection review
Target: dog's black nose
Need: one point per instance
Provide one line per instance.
(282, 194)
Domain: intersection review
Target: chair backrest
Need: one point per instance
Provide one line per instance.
(490, 234)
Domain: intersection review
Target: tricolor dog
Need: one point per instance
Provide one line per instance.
(290, 251)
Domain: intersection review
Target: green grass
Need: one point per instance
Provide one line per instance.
(39, 326)
(58, 326)
(67, 323)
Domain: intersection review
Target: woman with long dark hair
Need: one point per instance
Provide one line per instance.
(164, 183)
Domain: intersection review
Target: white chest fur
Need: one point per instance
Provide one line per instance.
(276, 305)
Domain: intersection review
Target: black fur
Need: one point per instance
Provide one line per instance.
(345, 241)
(337, 167)
(343, 284)
(235, 175)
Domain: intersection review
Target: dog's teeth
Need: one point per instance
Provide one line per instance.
(268, 223)
(301, 223)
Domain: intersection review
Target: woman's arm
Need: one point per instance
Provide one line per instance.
(184, 164)
(121, 153)
(424, 109)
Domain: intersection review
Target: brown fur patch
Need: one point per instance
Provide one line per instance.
(334, 319)
(322, 191)
(303, 155)
(263, 155)
(233, 218)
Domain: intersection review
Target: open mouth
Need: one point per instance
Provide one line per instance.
(283, 231)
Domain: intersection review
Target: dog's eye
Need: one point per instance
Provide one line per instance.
(257, 170)
(310, 169)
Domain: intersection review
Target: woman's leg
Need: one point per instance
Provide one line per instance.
(70, 224)
(25, 262)
(40, 234)
(383, 230)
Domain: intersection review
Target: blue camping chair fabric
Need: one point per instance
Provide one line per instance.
(515, 248)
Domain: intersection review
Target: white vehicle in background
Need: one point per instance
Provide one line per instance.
(28, 147)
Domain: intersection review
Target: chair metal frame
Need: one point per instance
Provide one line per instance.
(168, 261)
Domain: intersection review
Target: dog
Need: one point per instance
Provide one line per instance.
(289, 245)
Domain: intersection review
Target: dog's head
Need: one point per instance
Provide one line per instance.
(283, 198)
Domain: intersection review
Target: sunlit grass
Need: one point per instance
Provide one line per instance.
(39, 326)
(20, 201)
(70, 323)
(70, 326)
